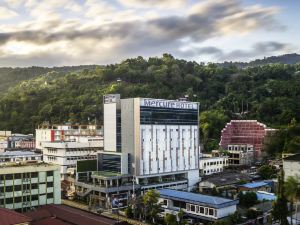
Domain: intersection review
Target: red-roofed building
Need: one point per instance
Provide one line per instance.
(245, 132)
(10, 217)
(65, 215)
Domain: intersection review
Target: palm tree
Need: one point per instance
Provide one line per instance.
(292, 193)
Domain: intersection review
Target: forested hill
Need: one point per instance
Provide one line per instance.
(12, 76)
(269, 93)
(285, 59)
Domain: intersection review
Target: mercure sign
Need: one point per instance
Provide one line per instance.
(168, 104)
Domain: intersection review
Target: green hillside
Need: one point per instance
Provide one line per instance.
(269, 93)
(9, 77)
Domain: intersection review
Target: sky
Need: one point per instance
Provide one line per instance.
(76, 32)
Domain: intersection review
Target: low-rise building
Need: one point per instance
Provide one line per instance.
(291, 166)
(228, 180)
(18, 156)
(255, 186)
(25, 185)
(237, 154)
(65, 133)
(3, 140)
(199, 206)
(211, 165)
(66, 154)
(21, 141)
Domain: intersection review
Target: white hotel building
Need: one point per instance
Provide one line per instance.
(155, 140)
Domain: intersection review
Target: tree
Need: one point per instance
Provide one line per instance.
(292, 193)
(248, 199)
(151, 205)
(280, 208)
(129, 212)
(253, 214)
(170, 219)
(267, 171)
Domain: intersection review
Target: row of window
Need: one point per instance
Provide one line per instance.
(213, 171)
(24, 199)
(201, 210)
(22, 175)
(214, 163)
(81, 157)
(23, 187)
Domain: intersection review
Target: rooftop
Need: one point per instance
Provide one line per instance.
(295, 157)
(25, 163)
(205, 200)
(254, 184)
(227, 178)
(262, 195)
(9, 217)
(65, 215)
(18, 153)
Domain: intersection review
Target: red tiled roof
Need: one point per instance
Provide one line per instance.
(50, 221)
(10, 217)
(68, 215)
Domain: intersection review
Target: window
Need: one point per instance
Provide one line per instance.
(34, 174)
(49, 184)
(49, 173)
(201, 210)
(49, 195)
(211, 212)
(18, 176)
(192, 208)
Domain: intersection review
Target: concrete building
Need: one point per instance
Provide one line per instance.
(237, 154)
(199, 206)
(211, 165)
(155, 140)
(65, 133)
(21, 141)
(3, 140)
(25, 185)
(66, 154)
(245, 132)
(291, 166)
(19, 156)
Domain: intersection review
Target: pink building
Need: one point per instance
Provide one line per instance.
(250, 132)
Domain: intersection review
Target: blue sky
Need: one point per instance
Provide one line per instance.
(73, 32)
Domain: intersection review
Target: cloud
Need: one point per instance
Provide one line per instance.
(161, 4)
(258, 49)
(101, 33)
(6, 13)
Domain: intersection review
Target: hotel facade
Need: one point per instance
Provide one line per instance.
(155, 140)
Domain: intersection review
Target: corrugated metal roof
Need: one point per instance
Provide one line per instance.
(206, 200)
(254, 184)
(262, 195)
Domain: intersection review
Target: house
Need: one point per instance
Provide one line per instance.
(255, 186)
(225, 180)
(199, 206)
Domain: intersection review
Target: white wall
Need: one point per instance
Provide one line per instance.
(110, 127)
(213, 165)
(168, 148)
(291, 168)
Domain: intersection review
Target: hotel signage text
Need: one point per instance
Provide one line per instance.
(168, 104)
